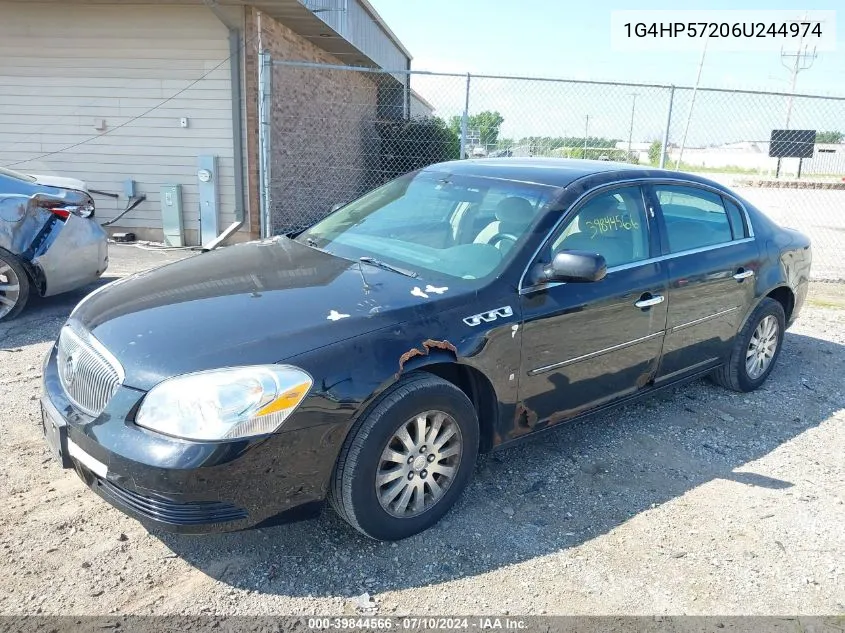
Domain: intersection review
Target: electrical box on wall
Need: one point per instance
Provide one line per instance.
(171, 215)
(208, 178)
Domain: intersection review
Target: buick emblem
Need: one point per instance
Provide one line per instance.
(71, 363)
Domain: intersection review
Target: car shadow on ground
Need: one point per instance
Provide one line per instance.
(565, 488)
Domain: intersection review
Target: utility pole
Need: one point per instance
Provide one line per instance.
(586, 131)
(631, 128)
(691, 104)
(801, 59)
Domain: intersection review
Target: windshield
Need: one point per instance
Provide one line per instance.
(433, 222)
(16, 175)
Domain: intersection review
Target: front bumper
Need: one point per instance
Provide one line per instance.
(183, 486)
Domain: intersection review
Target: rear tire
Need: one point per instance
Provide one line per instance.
(756, 349)
(14, 286)
(407, 459)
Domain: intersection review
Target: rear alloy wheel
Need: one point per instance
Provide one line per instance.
(762, 347)
(755, 350)
(407, 459)
(14, 286)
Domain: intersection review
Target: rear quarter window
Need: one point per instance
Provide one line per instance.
(735, 215)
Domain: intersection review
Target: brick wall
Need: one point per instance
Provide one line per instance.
(323, 141)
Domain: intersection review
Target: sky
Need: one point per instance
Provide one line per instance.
(560, 39)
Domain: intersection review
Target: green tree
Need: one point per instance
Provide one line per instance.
(504, 143)
(570, 146)
(654, 151)
(487, 123)
(414, 144)
(829, 137)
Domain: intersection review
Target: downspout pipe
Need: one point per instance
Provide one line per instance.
(235, 78)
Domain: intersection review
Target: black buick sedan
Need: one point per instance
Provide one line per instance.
(371, 357)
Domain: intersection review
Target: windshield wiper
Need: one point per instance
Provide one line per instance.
(380, 264)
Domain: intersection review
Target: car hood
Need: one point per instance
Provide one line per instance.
(253, 303)
(61, 182)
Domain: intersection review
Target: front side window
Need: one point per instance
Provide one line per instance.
(613, 224)
(462, 227)
(694, 218)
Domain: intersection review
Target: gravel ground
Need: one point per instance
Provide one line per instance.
(697, 501)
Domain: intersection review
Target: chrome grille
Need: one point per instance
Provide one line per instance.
(88, 373)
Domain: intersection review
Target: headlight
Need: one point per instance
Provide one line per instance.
(226, 403)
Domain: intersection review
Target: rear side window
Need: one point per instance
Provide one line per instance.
(694, 218)
(735, 216)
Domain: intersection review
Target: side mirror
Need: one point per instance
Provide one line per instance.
(575, 266)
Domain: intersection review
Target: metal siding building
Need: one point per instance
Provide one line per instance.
(98, 90)
(420, 106)
(98, 93)
(359, 24)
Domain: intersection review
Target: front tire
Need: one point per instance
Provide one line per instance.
(756, 349)
(407, 459)
(14, 286)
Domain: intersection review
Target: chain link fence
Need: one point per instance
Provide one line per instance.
(330, 133)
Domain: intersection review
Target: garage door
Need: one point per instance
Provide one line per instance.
(103, 93)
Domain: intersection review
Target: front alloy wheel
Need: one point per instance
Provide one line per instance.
(407, 459)
(419, 464)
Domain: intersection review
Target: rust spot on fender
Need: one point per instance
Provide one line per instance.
(644, 379)
(525, 417)
(427, 346)
(439, 345)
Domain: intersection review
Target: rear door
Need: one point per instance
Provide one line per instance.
(712, 259)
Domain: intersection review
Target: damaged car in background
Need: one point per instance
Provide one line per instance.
(49, 240)
(369, 358)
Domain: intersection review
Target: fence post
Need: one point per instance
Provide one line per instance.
(664, 147)
(465, 122)
(265, 134)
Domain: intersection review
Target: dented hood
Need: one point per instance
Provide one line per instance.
(260, 302)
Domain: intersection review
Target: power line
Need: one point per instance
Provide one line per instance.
(801, 60)
(75, 113)
(132, 120)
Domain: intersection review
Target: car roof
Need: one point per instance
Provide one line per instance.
(554, 172)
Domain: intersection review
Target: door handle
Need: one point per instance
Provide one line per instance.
(745, 274)
(653, 301)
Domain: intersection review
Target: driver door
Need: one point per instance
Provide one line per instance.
(587, 344)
